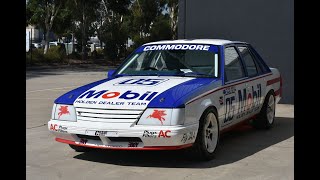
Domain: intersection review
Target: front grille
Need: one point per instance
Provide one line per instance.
(88, 137)
(125, 139)
(108, 115)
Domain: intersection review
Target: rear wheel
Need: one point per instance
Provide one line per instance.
(80, 148)
(207, 137)
(266, 116)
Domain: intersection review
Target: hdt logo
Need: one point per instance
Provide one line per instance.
(141, 82)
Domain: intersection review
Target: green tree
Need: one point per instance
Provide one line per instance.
(83, 13)
(160, 29)
(148, 22)
(112, 29)
(63, 23)
(172, 8)
(43, 14)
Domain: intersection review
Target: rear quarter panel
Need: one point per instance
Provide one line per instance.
(274, 82)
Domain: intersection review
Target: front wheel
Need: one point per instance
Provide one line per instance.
(266, 116)
(207, 137)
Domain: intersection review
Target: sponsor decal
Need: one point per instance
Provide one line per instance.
(221, 100)
(229, 90)
(177, 47)
(141, 82)
(152, 134)
(188, 136)
(63, 110)
(133, 144)
(58, 128)
(230, 98)
(83, 141)
(100, 133)
(249, 102)
(53, 127)
(158, 114)
(105, 94)
(164, 134)
(128, 95)
(115, 146)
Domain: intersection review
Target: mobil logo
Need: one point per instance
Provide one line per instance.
(106, 94)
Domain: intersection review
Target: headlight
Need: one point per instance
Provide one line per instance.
(64, 112)
(162, 116)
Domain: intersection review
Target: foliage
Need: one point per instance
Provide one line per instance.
(172, 8)
(147, 21)
(43, 13)
(74, 55)
(113, 21)
(55, 54)
(35, 57)
(83, 15)
(161, 29)
(113, 30)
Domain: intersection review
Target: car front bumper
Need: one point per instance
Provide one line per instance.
(123, 136)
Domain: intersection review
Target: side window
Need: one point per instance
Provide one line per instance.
(248, 61)
(232, 65)
(258, 59)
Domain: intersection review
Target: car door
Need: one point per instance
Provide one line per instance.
(250, 96)
(234, 76)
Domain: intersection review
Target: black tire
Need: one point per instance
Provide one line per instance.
(199, 150)
(263, 121)
(80, 148)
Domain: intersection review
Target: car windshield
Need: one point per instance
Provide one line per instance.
(172, 59)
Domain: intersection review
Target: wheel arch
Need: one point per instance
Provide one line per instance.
(215, 110)
(271, 90)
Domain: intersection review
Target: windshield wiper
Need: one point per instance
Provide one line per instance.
(151, 68)
(193, 74)
(146, 74)
(120, 75)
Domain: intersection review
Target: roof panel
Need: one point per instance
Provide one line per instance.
(196, 41)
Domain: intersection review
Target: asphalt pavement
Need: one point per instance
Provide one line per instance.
(243, 153)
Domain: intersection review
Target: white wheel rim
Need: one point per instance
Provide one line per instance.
(211, 132)
(270, 109)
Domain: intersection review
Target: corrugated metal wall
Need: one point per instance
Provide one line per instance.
(266, 24)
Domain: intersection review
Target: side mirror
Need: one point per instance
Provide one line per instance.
(110, 72)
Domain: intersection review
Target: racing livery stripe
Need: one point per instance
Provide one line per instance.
(272, 81)
(226, 86)
(238, 124)
(277, 92)
(179, 94)
(124, 148)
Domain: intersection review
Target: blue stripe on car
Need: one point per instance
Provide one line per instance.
(177, 96)
(71, 96)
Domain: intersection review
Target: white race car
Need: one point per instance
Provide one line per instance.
(170, 95)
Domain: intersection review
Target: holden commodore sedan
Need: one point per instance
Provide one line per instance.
(169, 95)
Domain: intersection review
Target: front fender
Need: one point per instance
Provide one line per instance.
(195, 110)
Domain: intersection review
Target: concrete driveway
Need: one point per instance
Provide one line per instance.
(243, 153)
